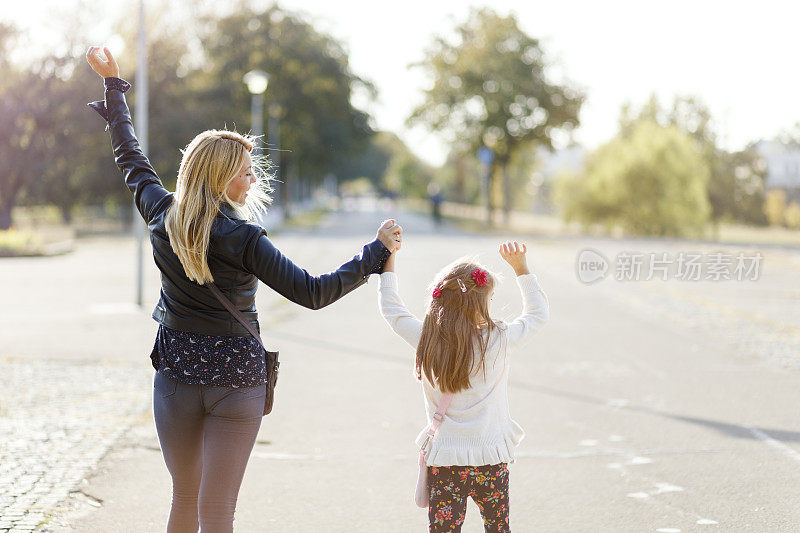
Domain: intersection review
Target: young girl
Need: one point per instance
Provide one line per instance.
(462, 350)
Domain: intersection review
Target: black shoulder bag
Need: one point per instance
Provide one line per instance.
(271, 358)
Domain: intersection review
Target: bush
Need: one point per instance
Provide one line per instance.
(14, 242)
(792, 216)
(775, 207)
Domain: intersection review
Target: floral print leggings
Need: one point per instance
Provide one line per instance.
(451, 485)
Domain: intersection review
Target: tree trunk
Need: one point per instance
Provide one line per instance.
(506, 192)
(283, 187)
(489, 201)
(66, 214)
(460, 179)
(5, 217)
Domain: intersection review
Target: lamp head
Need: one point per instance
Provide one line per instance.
(256, 81)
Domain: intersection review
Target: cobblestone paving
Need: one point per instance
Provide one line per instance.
(57, 420)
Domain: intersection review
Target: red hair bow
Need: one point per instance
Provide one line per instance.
(437, 292)
(479, 277)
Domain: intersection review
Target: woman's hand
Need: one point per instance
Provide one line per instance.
(106, 68)
(514, 254)
(391, 235)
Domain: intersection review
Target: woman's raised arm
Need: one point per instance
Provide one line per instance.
(149, 194)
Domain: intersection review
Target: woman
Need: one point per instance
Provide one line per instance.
(209, 386)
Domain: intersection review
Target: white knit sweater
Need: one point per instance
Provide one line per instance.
(477, 429)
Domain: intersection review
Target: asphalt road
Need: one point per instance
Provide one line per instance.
(649, 406)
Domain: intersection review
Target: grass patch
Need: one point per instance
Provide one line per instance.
(15, 242)
(472, 219)
(306, 219)
(30, 243)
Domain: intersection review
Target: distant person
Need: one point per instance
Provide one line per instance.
(209, 386)
(436, 203)
(463, 365)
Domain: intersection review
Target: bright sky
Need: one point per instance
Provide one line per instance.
(739, 57)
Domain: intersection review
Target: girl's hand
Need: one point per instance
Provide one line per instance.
(514, 255)
(106, 68)
(391, 235)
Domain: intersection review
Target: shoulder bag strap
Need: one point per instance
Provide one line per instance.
(236, 313)
(438, 418)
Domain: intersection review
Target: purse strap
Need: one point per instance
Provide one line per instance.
(433, 427)
(438, 416)
(236, 313)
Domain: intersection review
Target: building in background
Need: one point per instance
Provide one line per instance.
(783, 167)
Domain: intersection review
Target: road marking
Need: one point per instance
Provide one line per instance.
(667, 487)
(638, 460)
(706, 522)
(661, 488)
(668, 530)
(774, 443)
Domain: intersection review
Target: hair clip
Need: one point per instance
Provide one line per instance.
(437, 292)
(461, 284)
(479, 277)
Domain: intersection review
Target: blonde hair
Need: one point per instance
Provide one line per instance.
(453, 321)
(209, 163)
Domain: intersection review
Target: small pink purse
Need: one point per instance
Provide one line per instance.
(423, 492)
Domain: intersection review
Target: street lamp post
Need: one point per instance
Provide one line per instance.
(273, 136)
(257, 81)
(142, 134)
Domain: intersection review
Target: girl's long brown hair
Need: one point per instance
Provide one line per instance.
(453, 321)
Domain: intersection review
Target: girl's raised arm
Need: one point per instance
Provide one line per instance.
(535, 307)
(399, 318)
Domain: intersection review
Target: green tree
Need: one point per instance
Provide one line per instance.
(736, 179)
(490, 88)
(373, 160)
(650, 181)
(77, 164)
(310, 81)
(408, 175)
(21, 113)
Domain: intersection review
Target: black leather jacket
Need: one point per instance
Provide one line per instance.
(239, 253)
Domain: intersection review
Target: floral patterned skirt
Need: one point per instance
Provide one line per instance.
(450, 487)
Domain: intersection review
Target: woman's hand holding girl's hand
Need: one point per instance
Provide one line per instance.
(107, 68)
(514, 254)
(391, 235)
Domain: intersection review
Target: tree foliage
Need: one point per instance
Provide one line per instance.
(490, 87)
(310, 80)
(55, 151)
(649, 180)
(736, 179)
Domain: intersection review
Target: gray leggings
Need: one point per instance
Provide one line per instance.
(206, 435)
